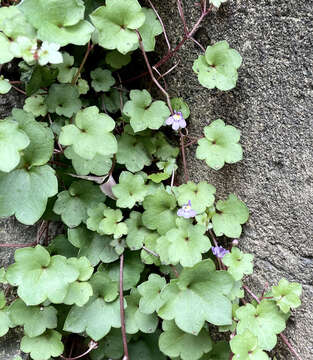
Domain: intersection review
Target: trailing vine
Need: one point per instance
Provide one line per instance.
(139, 271)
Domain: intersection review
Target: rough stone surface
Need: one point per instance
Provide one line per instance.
(272, 105)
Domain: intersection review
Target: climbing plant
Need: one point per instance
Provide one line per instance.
(139, 271)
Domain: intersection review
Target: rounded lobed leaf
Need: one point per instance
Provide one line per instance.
(287, 295)
(102, 80)
(238, 263)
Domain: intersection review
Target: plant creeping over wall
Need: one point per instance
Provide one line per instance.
(139, 271)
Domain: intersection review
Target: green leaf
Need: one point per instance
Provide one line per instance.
(12, 141)
(2, 299)
(5, 322)
(150, 291)
(115, 24)
(24, 193)
(63, 99)
(35, 319)
(183, 244)
(91, 134)
(287, 295)
(100, 165)
(159, 177)
(217, 3)
(44, 346)
(82, 86)
(2, 276)
(132, 153)
(36, 105)
(218, 67)
(133, 267)
(66, 71)
(143, 112)
(135, 320)
(104, 286)
(238, 263)
(220, 351)
(117, 60)
(61, 246)
(129, 190)
(92, 245)
(220, 145)
(6, 54)
(146, 348)
(72, 204)
(200, 287)
(245, 347)
(102, 80)
(106, 221)
(231, 214)
(41, 77)
(201, 195)
(40, 277)
(96, 318)
(41, 138)
(111, 101)
(174, 342)
(5, 85)
(137, 233)
(109, 347)
(150, 243)
(162, 149)
(264, 321)
(159, 212)
(178, 104)
(150, 29)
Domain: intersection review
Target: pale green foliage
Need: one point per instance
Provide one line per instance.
(245, 347)
(102, 80)
(62, 24)
(264, 321)
(44, 346)
(92, 245)
(150, 243)
(35, 319)
(146, 348)
(137, 232)
(218, 67)
(159, 211)
(66, 71)
(136, 320)
(231, 214)
(174, 342)
(287, 295)
(82, 86)
(220, 145)
(5, 85)
(106, 221)
(91, 134)
(99, 165)
(37, 275)
(220, 351)
(145, 113)
(217, 3)
(5, 322)
(238, 263)
(116, 23)
(12, 141)
(184, 244)
(178, 104)
(36, 105)
(72, 204)
(129, 190)
(117, 60)
(109, 347)
(5, 53)
(132, 153)
(150, 291)
(202, 288)
(201, 195)
(150, 29)
(63, 99)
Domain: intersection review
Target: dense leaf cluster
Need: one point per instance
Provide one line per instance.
(89, 153)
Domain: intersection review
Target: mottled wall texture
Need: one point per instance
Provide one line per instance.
(272, 105)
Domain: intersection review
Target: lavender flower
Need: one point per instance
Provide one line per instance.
(176, 120)
(219, 251)
(186, 211)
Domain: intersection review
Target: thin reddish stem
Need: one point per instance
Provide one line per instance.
(93, 345)
(19, 90)
(89, 48)
(162, 24)
(256, 298)
(290, 347)
(151, 73)
(182, 16)
(122, 311)
(182, 149)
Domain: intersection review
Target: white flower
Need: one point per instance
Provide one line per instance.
(48, 53)
(25, 48)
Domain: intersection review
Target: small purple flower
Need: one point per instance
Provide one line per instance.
(186, 211)
(176, 120)
(219, 251)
